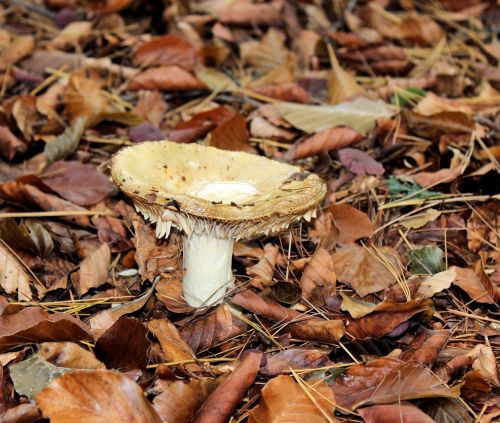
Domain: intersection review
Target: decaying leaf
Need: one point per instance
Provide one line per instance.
(318, 278)
(295, 358)
(326, 140)
(367, 270)
(284, 400)
(34, 325)
(172, 345)
(359, 114)
(263, 271)
(360, 163)
(100, 396)
(165, 78)
(477, 284)
(13, 277)
(63, 145)
(427, 259)
(93, 270)
(403, 412)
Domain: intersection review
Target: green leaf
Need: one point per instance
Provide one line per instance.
(360, 114)
(399, 187)
(403, 97)
(427, 259)
(66, 143)
(32, 375)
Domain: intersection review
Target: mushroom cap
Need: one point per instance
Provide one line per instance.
(212, 191)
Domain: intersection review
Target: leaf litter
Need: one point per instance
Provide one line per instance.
(384, 308)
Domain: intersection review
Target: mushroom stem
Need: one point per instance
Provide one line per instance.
(207, 269)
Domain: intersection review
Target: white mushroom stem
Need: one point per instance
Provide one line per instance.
(207, 269)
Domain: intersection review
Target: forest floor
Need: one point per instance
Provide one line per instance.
(382, 309)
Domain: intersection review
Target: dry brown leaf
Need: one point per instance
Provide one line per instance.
(266, 54)
(180, 399)
(421, 219)
(210, 329)
(69, 355)
(486, 363)
(295, 358)
(170, 293)
(13, 276)
(82, 184)
(245, 12)
(219, 406)
(93, 270)
(363, 269)
(97, 396)
(168, 50)
(327, 331)
(10, 145)
(151, 107)
(290, 91)
(72, 34)
(284, 400)
(426, 352)
(326, 140)
(318, 279)
(480, 226)
(232, 135)
(263, 271)
(341, 84)
(103, 320)
(436, 283)
(13, 48)
(165, 78)
(477, 284)
(35, 325)
(261, 128)
(404, 412)
(124, 345)
(172, 345)
(387, 316)
(386, 380)
(26, 115)
(351, 223)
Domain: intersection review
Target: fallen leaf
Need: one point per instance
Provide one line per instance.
(444, 410)
(13, 276)
(403, 412)
(124, 352)
(432, 104)
(93, 270)
(440, 123)
(172, 345)
(72, 34)
(295, 358)
(351, 223)
(341, 84)
(219, 406)
(70, 355)
(28, 235)
(26, 115)
(360, 163)
(66, 143)
(436, 283)
(365, 269)
(75, 397)
(486, 363)
(427, 351)
(168, 50)
(318, 279)
(169, 292)
(145, 132)
(103, 320)
(386, 317)
(261, 128)
(427, 259)
(283, 292)
(35, 325)
(13, 48)
(327, 331)
(263, 271)
(32, 375)
(209, 330)
(180, 399)
(326, 140)
(232, 135)
(291, 92)
(419, 220)
(266, 54)
(79, 183)
(386, 380)
(200, 124)
(478, 231)
(22, 413)
(10, 145)
(359, 114)
(243, 12)
(284, 400)
(165, 78)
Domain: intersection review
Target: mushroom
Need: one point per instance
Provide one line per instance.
(214, 197)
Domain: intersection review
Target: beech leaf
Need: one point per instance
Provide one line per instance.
(359, 114)
(66, 143)
(360, 163)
